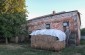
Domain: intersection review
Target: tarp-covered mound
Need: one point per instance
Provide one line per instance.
(53, 32)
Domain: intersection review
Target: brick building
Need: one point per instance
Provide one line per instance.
(58, 21)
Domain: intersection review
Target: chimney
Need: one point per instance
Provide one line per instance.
(54, 12)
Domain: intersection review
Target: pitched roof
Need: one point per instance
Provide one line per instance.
(55, 14)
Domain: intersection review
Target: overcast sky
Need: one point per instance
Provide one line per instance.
(43, 7)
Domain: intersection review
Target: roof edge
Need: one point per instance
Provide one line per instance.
(52, 15)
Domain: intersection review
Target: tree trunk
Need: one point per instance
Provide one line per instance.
(6, 41)
(16, 39)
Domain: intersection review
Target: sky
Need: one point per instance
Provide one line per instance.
(38, 8)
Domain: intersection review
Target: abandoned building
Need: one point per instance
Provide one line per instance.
(59, 21)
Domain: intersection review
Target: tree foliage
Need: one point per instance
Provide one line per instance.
(12, 6)
(83, 31)
(12, 17)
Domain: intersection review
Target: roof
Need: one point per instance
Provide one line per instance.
(55, 14)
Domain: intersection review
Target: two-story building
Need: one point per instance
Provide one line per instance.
(58, 21)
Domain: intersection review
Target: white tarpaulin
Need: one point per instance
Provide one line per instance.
(53, 32)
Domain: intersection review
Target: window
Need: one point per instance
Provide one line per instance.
(65, 24)
(47, 26)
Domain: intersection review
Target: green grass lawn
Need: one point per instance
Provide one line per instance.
(25, 49)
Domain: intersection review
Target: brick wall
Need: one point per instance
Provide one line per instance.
(56, 22)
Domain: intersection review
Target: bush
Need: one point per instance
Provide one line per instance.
(83, 31)
(82, 42)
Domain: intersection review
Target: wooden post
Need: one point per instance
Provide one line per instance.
(6, 40)
(16, 39)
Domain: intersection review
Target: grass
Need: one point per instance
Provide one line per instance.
(25, 49)
(22, 49)
(75, 50)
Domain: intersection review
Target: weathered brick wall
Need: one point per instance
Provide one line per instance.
(55, 21)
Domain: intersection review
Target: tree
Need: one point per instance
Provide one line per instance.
(83, 31)
(12, 17)
(12, 6)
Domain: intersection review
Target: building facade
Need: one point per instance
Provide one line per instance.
(59, 21)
